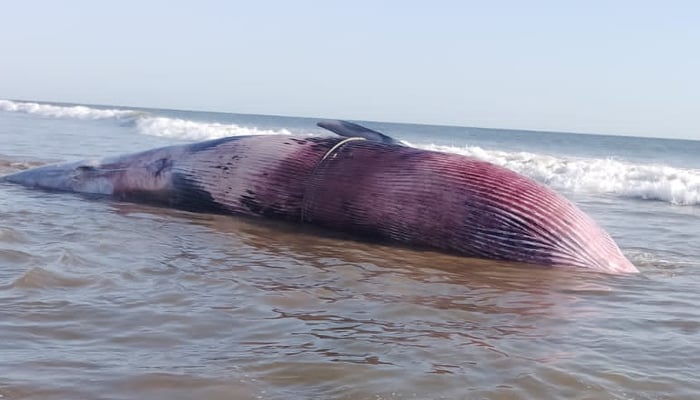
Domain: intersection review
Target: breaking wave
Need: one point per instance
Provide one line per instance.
(64, 111)
(193, 130)
(678, 186)
(144, 122)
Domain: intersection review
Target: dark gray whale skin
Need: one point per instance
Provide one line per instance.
(365, 184)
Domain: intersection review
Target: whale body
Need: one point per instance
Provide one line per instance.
(363, 183)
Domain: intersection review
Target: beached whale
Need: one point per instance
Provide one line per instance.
(363, 183)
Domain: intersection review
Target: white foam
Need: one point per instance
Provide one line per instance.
(76, 112)
(679, 186)
(145, 123)
(192, 130)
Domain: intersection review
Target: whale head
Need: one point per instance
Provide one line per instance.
(126, 176)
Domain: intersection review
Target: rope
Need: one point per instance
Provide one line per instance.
(329, 153)
(337, 146)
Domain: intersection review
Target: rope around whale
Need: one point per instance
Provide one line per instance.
(329, 153)
(336, 147)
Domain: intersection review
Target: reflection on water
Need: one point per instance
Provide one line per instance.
(109, 300)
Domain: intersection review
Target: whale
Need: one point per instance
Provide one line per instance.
(360, 182)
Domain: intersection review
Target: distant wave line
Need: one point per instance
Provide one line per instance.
(75, 112)
(144, 122)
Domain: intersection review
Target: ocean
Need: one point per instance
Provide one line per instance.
(112, 300)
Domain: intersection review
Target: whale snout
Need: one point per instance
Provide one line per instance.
(52, 177)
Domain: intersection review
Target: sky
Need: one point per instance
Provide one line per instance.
(610, 67)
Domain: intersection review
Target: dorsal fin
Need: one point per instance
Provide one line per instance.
(349, 129)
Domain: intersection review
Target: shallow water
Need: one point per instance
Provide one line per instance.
(125, 301)
(111, 300)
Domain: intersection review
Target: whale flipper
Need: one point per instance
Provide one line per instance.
(349, 129)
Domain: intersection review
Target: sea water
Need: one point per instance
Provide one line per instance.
(104, 299)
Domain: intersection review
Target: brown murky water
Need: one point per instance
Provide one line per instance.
(106, 300)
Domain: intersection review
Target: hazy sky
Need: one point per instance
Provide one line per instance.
(619, 67)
